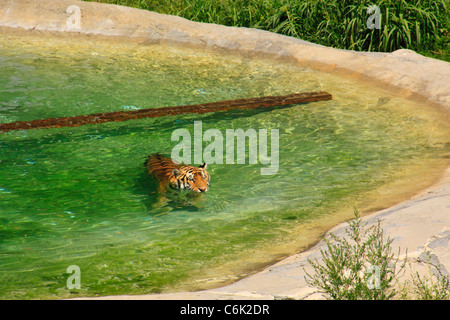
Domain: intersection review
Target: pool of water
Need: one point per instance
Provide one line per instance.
(81, 196)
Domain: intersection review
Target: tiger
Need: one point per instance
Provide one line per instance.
(177, 176)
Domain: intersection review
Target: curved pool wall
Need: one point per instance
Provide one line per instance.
(404, 72)
(411, 74)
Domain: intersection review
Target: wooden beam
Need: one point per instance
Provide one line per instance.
(251, 103)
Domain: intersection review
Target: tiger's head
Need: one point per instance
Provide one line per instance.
(190, 177)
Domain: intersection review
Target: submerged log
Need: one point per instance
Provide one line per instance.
(251, 103)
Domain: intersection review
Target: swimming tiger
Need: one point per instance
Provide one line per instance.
(177, 176)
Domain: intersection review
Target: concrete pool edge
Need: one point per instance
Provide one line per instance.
(411, 75)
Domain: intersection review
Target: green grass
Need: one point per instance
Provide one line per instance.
(419, 25)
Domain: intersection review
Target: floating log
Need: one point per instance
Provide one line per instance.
(251, 103)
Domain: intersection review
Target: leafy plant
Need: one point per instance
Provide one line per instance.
(426, 288)
(360, 265)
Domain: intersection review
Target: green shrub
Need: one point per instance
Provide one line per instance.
(425, 288)
(360, 265)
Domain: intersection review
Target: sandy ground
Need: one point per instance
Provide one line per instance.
(420, 225)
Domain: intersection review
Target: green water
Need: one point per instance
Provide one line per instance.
(80, 196)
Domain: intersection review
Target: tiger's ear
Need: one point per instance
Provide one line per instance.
(176, 172)
(203, 166)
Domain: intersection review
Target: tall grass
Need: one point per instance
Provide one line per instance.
(420, 25)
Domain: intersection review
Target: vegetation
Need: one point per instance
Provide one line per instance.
(426, 288)
(358, 266)
(419, 25)
(435, 286)
(362, 266)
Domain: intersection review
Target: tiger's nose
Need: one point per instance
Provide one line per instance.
(202, 189)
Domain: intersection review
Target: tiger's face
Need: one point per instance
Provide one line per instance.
(190, 177)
